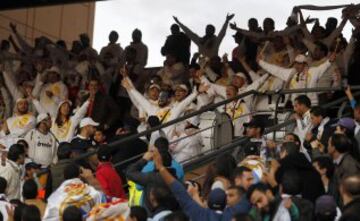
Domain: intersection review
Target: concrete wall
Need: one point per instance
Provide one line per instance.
(56, 22)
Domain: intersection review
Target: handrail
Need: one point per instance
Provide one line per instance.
(187, 116)
(211, 107)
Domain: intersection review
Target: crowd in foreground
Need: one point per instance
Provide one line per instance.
(61, 108)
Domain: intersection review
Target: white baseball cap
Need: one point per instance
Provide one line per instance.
(181, 86)
(300, 59)
(240, 74)
(155, 86)
(88, 121)
(53, 69)
(41, 117)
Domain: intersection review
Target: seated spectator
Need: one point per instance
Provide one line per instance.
(350, 192)
(3, 199)
(109, 180)
(30, 192)
(137, 213)
(99, 137)
(72, 213)
(326, 209)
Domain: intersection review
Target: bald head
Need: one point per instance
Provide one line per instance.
(351, 185)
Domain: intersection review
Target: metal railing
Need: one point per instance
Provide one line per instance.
(206, 157)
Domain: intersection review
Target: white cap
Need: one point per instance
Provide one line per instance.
(154, 86)
(88, 121)
(41, 117)
(63, 102)
(240, 74)
(53, 69)
(300, 59)
(181, 86)
(21, 99)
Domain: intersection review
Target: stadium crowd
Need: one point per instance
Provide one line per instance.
(61, 106)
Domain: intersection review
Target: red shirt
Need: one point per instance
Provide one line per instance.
(109, 180)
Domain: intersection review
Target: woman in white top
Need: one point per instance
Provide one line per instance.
(64, 124)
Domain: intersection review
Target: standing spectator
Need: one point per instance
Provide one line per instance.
(102, 108)
(210, 43)
(114, 49)
(325, 166)
(106, 175)
(302, 105)
(140, 47)
(243, 177)
(11, 170)
(42, 144)
(297, 75)
(177, 44)
(52, 91)
(268, 207)
(345, 164)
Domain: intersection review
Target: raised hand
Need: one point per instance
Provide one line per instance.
(157, 159)
(229, 17)
(176, 19)
(233, 26)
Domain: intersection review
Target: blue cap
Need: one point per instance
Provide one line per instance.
(217, 199)
(346, 122)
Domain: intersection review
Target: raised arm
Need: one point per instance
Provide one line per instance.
(283, 73)
(251, 34)
(80, 113)
(177, 110)
(222, 32)
(330, 39)
(23, 44)
(12, 87)
(38, 107)
(194, 37)
(138, 98)
(348, 53)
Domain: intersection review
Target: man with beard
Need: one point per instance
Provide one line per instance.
(266, 206)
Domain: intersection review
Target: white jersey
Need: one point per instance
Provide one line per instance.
(19, 125)
(42, 147)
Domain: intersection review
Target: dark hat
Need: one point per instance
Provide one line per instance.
(325, 205)
(32, 165)
(217, 199)
(255, 123)
(104, 153)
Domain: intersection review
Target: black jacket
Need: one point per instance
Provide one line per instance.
(105, 110)
(311, 180)
(351, 211)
